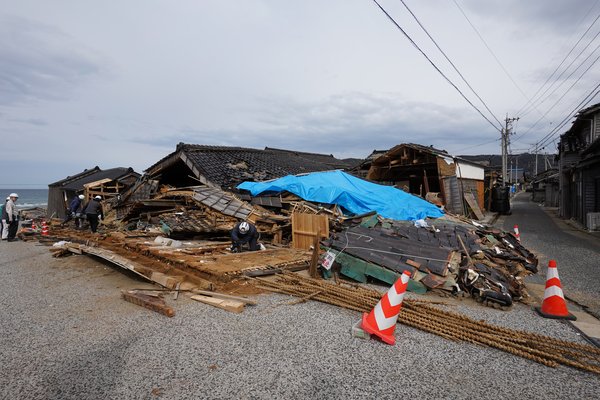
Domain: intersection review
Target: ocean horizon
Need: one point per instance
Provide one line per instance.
(28, 198)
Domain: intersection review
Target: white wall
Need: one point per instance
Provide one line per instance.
(469, 171)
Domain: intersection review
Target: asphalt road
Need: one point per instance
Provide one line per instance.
(577, 253)
(66, 334)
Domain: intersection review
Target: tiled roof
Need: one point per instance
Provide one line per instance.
(229, 166)
(327, 159)
(76, 182)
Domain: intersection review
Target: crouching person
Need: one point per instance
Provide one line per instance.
(244, 233)
(93, 211)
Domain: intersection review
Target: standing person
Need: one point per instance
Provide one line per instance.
(242, 233)
(74, 210)
(12, 214)
(93, 211)
(4, 224)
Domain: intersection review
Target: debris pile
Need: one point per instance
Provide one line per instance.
(452, 256)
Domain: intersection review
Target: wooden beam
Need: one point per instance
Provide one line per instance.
(228, 305)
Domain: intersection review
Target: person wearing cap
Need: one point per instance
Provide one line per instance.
(74, 211)
(12, 217)
(4, 224)
(93, 211)
(244, 233)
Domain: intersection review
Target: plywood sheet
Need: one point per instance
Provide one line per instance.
(305, 227)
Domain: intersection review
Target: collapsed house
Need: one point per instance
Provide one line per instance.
(226, 167)
(171, 227)
(434, 174)
(107, 183)
(297, 201)
(579, 168)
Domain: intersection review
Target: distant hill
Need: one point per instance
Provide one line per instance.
(526, 161)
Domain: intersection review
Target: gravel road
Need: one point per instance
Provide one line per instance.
(66, 334)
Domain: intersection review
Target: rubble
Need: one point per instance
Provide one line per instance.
(177, 234)
(450, 255)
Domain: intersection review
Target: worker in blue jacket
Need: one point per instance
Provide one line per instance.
(244, 233)
(74, 211)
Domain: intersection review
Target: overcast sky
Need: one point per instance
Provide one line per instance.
(120, 83)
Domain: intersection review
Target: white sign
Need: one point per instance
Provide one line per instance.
(328, 260)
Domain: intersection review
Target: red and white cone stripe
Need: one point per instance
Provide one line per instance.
(381, 321)
(517, 235)
(554, 304)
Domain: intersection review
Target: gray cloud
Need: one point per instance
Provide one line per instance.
(349, 125)
(38, 62)
(29, 121)
(551, 15)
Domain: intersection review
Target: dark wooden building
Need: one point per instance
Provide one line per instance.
(61, 192)
(579, 168)
(424, 170)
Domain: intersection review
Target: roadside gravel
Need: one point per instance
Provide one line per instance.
(66, 334)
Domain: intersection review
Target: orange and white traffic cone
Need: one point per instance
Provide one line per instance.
(381, 321)
(517, 235)
(554, 304)
(45, 230)
(33, 227)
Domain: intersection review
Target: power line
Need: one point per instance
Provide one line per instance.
(491, 51)
(586, 100)
(450, 61)
(565, 58)
(433, 64)
(480, 144)
(562, 96)
(540, 100)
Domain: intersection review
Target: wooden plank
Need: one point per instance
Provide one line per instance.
(228, 305)
(305, 228)
(315, 255)
(472, 202)
(150, 302)
(225, 297)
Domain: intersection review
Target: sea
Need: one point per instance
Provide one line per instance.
(28, 198)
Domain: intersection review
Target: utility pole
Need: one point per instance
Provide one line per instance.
(506, 132)
(536, 157)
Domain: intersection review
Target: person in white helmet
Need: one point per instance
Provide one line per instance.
(93, 211)
(244, 233)
(12, 217)
(74, 211)
(4, 224)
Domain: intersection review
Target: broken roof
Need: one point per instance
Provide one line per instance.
(226, 167)
(394, 151)
(77, 181)
(327, 159)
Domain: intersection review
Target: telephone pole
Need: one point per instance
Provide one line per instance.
(506, 132)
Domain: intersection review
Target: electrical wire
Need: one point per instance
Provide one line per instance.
(587, 99)
(450, 61)
(491, 51)
(479, 144)
(434, 65)
(542, 100)
(562, 96)
(566, 57)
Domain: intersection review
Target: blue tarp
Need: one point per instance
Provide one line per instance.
(353, 194)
